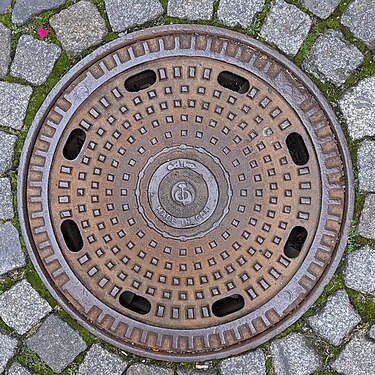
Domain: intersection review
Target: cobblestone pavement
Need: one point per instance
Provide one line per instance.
(333, 41)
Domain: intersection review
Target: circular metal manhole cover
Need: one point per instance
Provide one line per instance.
(185, 193)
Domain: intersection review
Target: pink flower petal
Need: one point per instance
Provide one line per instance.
(42, 32)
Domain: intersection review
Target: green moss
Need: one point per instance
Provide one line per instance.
(336, 283)
(88, 337)
(364, 304)
(254, 29)
(100, 4)
(31, 360)
(296, 327)
(34, 279)
(111, 36)
(10, 279)
(216, 6)
(4, 328)
(164, 4)
(269, 367)
(6, 19)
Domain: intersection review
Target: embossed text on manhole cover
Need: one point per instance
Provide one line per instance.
(184, 193)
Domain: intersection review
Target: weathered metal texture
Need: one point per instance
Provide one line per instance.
(185, 192)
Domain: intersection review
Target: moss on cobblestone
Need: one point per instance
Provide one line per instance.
(31, 360)
(364, 304)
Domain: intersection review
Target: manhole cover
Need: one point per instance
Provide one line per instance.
(185, 193)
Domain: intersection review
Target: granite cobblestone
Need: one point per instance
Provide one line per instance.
(286, 26)
(357, 357)
(7, 143)
(332, 58)
(17, 369)
(357, 105)
(8, 346)
(191, 9)
(125, 14)
(366, 226)
(294, 355)
(5, 49)
(336, 320)
(34, 60)
(14, 100)
(21, 307)
(239, 12)
(56, 343)
(24, 10)
(79, 27)
(359, 271)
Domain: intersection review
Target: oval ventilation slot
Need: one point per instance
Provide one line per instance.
(228, 305)
(74, 144)
(140, 81)
(297, 148)
(135, 303)
(295, 242)
(72, 235)
(233, 82)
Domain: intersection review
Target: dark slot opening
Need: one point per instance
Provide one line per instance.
(72, 235)
(233, 82)
(295, 242)
(74, 144)
(228, 305)
(140, 81)
(297, 148)
(135, 303)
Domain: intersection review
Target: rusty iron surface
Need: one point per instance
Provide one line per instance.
(185, 191)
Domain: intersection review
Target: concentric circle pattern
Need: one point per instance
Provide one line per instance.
(184, 193)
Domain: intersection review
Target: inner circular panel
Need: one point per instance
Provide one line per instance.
(184, 193)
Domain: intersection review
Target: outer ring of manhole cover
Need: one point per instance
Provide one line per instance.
(185, 193)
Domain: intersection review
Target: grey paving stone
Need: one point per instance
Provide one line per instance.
(336, 319)
(286, 26)
(8, 346)
(209, 371)
(293, 355)
(357, 105)
(359, 271)
(359, 18)
(191, 9)
(124, 14)
(366, 226)
(5, 41)
(321, 8)
(24, 10)
(14, 99)
(99, 361)
(371, 332)
(6, 200)
(142, 369)
(239, 12)
(56, 343)
(332, 58)
(253, 363)
(79, 27)
(11, 253)
(7, 142)
(357, 357)
(21, 307)
(34, 60)
(366, 162)
(17, 369)
(5, 5)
